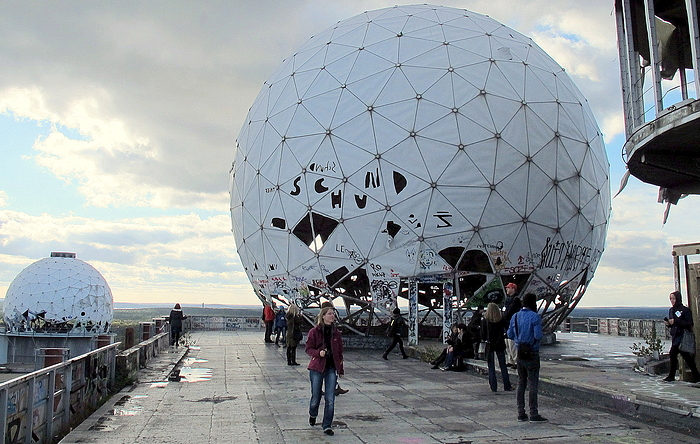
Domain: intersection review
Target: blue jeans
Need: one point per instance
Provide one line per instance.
(493, 382)
(528, 378)
(328, 378)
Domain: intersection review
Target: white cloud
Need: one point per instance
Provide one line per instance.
(182, 255)
(3, 199)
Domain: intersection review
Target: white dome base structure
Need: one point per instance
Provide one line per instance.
(424, 151)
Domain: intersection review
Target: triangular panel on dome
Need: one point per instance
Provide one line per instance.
(444, 216)
(461, 171)
(514, 187)
(354, 153)
(474, 41)
(438, 154)
(544, 157)
(507, 160)
(327, 195)
(365, 230)
(540, 85)
(437, 122)
(570, 119)
(440, 92)
(397, 91)
(541, 205)
(324, 83)
(349, 108)
(498, 211)
(502, 110)
(408, 149)
(279, 121)
(387, 133)
(281, 94)
(483, 154)
(300, 151)
(420, 52)
(475, 122)
(515, 133)
(348, 36)
(359, 200)
(422, 78)
(275, 251)
(303, 124)
(310, 57)
(413, 209)
(368, 71)
(500, 85)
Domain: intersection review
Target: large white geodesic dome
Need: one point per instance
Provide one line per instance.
(420, 143)
(59, 294)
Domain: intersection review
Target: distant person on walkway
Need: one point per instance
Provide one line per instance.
(294, 334)
(325, 346)
(680, 319)
(280, 326)
(175, 320)
(268, 317)
(526, 330)
(443, 356)
(493, 332)
(397, 328)
(511, 308)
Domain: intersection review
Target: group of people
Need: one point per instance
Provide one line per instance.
(286, 326)
(511, 336)
(518, 327)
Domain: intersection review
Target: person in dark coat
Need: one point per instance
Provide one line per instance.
(294, 334)
(461, 348)
(324, 345)
(493, 332)
(450, 341)
(396, 326)
(680, 319)
(175, 318)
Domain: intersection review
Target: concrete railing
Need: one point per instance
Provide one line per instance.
(131, 360)
(637, 328)
(43, 405)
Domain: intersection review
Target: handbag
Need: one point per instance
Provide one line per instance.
(297, 335)
(687, 342)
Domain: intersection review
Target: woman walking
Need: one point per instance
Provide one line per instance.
(680, 319)
(325, 346)
(294, 334)
(176, 317)
(494, 330)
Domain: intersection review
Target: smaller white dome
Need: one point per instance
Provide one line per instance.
(59, 294)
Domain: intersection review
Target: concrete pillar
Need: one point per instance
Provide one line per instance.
(446, 311)
(412, 312)
(129, 338)
(103, 340)
(146, 330)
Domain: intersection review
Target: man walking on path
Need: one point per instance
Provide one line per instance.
(397, 328)
(526, 330)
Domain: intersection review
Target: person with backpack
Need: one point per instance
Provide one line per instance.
(526, 330)
(397, 329)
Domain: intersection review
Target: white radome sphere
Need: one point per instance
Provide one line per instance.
(411, 140)
(59, 294)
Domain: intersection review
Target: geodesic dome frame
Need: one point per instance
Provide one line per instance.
(59, 294)
(420, 147)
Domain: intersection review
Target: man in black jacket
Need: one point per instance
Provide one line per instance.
(396, 329)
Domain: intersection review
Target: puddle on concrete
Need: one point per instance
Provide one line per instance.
(188, 362)
(103, 424)
(195, 347)
(368, 418)
(126, 407)
(188, 374)
(159, 384)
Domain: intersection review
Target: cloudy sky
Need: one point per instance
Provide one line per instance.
(118, 121)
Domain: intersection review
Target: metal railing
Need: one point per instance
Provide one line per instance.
(638, 328)
(45, 404)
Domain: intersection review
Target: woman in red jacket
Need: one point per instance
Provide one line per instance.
(325, 346)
